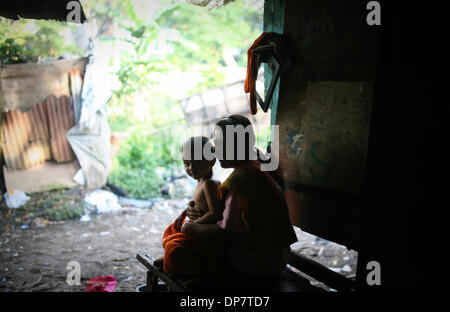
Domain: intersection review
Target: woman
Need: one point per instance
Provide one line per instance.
(255, 231)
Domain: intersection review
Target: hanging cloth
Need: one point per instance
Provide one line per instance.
(253, 66)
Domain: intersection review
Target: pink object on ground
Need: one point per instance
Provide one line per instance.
(105, 283)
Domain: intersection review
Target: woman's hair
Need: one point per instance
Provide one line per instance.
(236, 120)
(239, 120)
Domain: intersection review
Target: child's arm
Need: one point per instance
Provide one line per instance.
(211, 189)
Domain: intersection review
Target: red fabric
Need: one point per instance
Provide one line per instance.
(252, 68)
(105, 283)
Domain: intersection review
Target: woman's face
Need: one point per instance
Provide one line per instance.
(219, 140)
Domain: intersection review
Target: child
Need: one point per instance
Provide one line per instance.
(184, 255)
(205, 194)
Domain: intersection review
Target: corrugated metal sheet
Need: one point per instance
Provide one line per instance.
(38, 135)
(61, 119)
(25, 138)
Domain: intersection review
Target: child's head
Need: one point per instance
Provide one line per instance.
(238, 149)
(195, 163)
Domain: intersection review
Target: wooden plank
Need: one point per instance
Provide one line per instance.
(147, 262)
(321, 273)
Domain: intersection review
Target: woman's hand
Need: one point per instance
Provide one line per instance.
(192, 212)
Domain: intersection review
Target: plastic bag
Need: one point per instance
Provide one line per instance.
(90, 138)
(104, 201)
(105, 283)
(15, 198)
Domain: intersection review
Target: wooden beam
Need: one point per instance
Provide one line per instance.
(321, 273)
(147, 262)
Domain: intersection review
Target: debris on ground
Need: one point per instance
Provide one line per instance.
(105, 283)
(40, 222)
(85, 218)
(138, 203)
(15, 198)
(103, 201)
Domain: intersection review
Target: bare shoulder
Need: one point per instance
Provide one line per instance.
(212, 184)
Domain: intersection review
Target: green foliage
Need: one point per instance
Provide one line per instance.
(29, 40)
(176, 37)
(13, 53)
(134, 167)
(119, 123)
(140, 183)
(60, 209)
(53, 206)
(263, 138)
(207, 34)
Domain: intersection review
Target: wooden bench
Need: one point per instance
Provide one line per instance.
(158, 281)
(154, 274)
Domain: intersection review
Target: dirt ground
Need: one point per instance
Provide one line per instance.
(34, 255)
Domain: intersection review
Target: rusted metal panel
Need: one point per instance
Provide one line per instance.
(39, 120)
(61, 119)
(38, 135)
(25, 138)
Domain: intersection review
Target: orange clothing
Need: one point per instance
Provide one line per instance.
(264, 210)
(178, 252)
(252, 68)
(186, 256)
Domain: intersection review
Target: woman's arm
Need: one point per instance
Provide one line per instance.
(193, 212)
(209, 232)
(230, 229)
